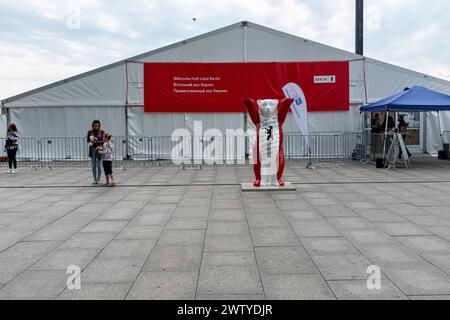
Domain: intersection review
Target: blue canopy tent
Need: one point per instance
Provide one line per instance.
(415, 99)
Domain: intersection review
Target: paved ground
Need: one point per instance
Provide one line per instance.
(165, 233)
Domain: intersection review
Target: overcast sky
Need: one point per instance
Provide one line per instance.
(42, 41)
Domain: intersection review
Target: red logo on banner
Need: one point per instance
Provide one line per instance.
(221, 87)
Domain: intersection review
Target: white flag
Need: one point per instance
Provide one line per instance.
(299, 107)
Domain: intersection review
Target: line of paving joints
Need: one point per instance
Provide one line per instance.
(42, 241)
(358, 249)
(156, 243)
(301, 243)
(204, 239)
(109, 242)
(253, 247)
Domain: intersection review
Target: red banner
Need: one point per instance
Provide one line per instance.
(221, 87)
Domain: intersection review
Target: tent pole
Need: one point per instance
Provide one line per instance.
(396, 120)
(440, 129)
(385, 135)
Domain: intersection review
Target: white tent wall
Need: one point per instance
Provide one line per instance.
(67, 122)
(63, 122)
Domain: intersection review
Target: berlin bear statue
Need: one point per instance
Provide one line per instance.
(268, 116)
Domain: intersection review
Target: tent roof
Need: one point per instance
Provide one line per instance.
(417, 99)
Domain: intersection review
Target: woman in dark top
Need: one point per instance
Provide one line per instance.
(95, 140)
(11, 147)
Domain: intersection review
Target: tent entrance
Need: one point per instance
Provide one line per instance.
(414, 135)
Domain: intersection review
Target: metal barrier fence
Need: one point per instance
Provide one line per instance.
(132, 151)
(446, 137)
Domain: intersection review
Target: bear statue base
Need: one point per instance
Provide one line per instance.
(249, 187)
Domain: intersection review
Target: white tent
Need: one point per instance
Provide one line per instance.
(114, 93)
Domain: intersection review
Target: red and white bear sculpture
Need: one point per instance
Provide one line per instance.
(268, 116)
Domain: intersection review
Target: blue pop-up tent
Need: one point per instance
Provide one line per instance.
(415, 99)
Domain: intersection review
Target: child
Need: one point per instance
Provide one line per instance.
(106, 150)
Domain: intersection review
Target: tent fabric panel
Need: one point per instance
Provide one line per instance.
(67, 121)
(105, 88)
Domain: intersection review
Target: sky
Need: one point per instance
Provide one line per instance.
(42, 41)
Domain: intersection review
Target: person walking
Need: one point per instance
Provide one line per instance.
(11, 147)
(95, 140)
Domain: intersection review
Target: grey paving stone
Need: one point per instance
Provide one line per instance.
(227, 228)
(137, 232)
(381, 216)
(350, 223)
(226, 243)
(267, 221)
(229, 280)
(367, 237)
(296, 287)
(35, 285)
(288, 260)
(230, 259)
(191, 212)
(334, 211)
(151, 219)
(164, 286)
(431, 297)
(181, 237)
(54, 232)
(343, 267)
(87, 240)
(174, 259)
(21, 256)
(426, 244)
(274, 237)
(118, 214)
(104, 226)
(227, 215)
(187, 224)
(403, 229)
(299, 216)
(315, 228)
(440, 260)
(419, 279)
(227, 204)
(385, 255)
(128, 248)
(328, 246)
(159, 199)
(61, 259)
(97, 291)
(358, 290)
(113, 270)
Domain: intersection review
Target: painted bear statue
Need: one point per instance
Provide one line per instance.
(268, 116)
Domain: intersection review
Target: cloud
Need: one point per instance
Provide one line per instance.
(37, 47)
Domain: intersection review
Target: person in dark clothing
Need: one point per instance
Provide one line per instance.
(403, 129)
(11, 147)
(95, 140)
(391, 123)
(376, 124)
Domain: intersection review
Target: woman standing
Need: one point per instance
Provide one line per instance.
(11, 147)
(95, 140)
